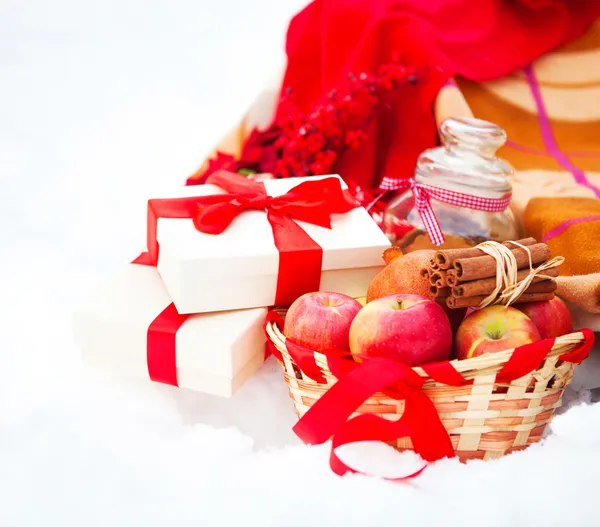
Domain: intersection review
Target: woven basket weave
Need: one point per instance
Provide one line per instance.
(485, 420)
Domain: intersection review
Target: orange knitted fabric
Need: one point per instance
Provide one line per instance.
(551, 220)
(578, 243)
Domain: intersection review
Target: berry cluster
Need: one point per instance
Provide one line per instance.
(297, 145)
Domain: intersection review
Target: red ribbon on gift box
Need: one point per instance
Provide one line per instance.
(161, 348)
(329, 417)
(300, 257)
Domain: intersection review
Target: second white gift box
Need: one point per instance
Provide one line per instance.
(130, 326)
(260, 251)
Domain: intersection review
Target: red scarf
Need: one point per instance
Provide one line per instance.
(481, 40)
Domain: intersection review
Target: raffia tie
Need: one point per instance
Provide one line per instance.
(508, 288)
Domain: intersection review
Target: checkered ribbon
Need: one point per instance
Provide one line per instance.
(424, 193)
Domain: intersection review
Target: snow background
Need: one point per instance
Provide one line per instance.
(103, 104)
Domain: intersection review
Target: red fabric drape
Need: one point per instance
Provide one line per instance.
(480, 40)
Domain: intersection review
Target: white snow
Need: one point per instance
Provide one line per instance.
(103, 104)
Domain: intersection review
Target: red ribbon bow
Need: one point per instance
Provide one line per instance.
(424, 193)
(311, 201)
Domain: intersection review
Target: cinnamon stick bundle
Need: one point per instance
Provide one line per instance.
(468, 269)
(445, 259)
(465, 277)
(485, 286)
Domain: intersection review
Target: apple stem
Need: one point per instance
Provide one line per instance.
(494, 335)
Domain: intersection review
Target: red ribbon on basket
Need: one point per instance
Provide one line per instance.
(329, 417)
(300, 257)
(424, 193)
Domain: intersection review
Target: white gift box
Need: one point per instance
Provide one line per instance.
(215, 352)
(239, 267)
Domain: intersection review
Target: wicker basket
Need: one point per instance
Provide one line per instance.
(485, 420)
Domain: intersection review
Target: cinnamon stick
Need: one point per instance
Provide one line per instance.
(446, 259)
(486, 285)
(546, 286)
(474, 301)
(533, 297)
(485, 266)
(439, 292)
(433, 264)
(438, 278)
(451, 277)
(424, 273)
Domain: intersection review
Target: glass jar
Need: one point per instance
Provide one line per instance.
(466, 163)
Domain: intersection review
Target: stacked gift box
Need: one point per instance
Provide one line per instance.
(190, 311)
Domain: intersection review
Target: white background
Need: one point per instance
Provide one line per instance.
(103, 104)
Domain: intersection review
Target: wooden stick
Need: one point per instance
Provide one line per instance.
(468, 269)
(446, 259)
(486, 285)
(474, 301)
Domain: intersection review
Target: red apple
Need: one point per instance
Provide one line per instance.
(409, 328)
(321, 321)
(551, 317)
(493, 329)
